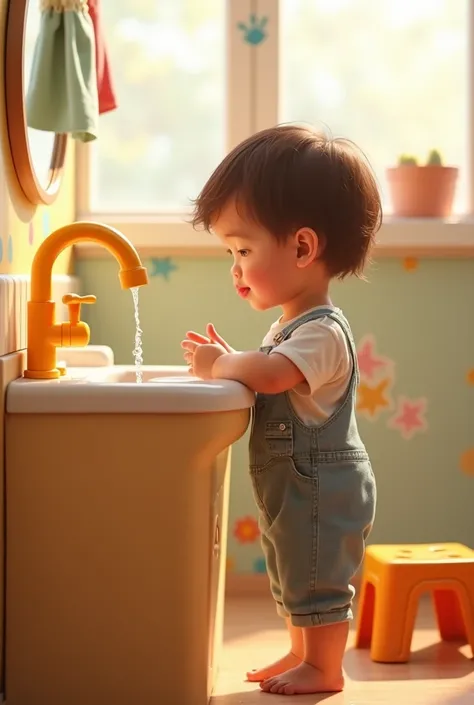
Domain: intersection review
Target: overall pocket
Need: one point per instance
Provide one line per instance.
(284, 491)
(279, 438)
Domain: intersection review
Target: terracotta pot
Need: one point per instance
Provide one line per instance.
(422, 191)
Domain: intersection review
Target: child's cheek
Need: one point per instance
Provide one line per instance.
(254, 273)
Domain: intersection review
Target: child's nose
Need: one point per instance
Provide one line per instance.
(235, 270)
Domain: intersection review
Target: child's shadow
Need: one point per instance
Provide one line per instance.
(435, 662)
(254, 697)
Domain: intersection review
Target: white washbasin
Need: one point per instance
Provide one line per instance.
(113, 389)
(90, 356)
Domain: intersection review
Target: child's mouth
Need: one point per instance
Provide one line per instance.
(243, 291)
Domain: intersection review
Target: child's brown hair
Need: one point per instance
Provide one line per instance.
(289, 177)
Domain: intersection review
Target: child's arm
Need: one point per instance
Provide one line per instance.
(316, 354)
(267, 374)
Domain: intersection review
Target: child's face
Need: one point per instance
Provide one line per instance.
(264, 271)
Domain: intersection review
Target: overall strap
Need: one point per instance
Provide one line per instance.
(314, 315)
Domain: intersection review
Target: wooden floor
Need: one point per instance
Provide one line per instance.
(438, 674)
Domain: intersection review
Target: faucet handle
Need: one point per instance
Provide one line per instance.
(73, 302)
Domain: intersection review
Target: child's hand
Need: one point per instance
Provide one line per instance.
(194, 341)
(204, 358)
(212, 337)
(201, 357)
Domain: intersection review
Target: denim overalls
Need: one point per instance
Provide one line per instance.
(316, 495)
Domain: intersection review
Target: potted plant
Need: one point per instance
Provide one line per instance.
(425, 191)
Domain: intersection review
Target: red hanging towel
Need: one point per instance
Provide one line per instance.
(107, 99)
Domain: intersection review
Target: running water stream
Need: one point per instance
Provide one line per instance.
(137, 350)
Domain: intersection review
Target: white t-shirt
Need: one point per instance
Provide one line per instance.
(320, 350)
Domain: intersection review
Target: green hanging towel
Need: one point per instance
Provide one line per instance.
(62, 93)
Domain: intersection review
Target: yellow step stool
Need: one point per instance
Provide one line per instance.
(394, 578)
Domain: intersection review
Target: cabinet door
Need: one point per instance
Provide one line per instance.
(218, 550)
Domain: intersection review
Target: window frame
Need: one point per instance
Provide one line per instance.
(252, 104)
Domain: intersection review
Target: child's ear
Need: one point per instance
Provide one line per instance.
(308, 247)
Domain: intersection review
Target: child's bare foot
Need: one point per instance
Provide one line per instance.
(301, 679)
(320, 670)
(292, 658)
(274, 669)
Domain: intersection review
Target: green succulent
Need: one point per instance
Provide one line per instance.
(407, 160)
(434, 158)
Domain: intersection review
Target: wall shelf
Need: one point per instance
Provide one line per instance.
(172, 237)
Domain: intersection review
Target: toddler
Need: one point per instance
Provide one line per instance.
(296, 209)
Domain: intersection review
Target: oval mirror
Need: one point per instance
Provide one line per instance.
(38, 156)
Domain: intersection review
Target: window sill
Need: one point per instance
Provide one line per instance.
(160, 237)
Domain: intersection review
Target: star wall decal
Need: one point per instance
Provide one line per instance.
(410, 417)
(162, 267)
(372, 400)
(370, 363)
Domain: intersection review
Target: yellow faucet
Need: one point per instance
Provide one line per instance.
(44, 334)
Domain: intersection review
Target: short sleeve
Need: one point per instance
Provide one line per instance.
(319, 349)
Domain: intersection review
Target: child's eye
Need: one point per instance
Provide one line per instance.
(242, 253)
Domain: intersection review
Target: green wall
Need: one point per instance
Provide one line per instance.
(415, 318)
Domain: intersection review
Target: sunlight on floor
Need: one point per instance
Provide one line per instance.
(438, 673)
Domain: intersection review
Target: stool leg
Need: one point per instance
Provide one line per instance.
(394, 621)
(466, 598)
(365, 616)
(448, 614)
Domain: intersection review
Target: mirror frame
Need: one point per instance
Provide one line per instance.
(17, 129)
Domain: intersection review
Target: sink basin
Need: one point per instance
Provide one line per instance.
(116, 532)
(113, 389)
(90, 356)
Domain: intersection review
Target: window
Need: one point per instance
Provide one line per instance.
(168, 66)
(194, 77)
(392, 76)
